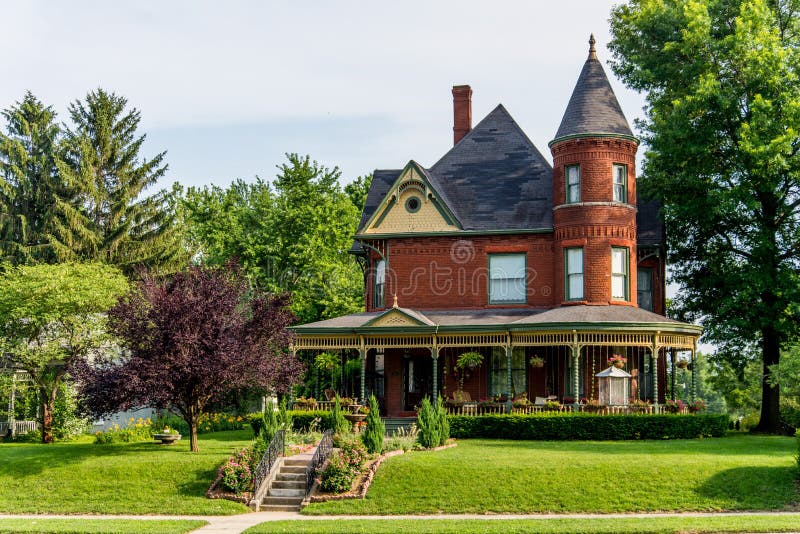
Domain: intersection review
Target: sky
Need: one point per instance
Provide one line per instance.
(227, 88)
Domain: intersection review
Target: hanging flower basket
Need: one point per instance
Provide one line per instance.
(618, 361)
(681, 364)
(537, 362)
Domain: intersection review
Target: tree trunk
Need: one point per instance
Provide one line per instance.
(770, 421)
(46, 403)
(192, 420)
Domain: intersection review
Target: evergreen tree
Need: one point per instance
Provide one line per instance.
(723, 132)
(372, 437)
(102, 159)
(339, 424)
(39, 216)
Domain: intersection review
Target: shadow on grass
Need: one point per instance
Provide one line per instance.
(753, 488)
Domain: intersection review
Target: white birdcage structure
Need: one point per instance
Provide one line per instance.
(614, 386)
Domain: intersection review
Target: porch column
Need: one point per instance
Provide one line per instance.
(694, 370)
(576, 383)
(672, 371)
(435, 363)
(654, 354)
(363, 353)
(508, 376)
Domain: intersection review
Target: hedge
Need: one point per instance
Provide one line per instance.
(301, 420)
(580, 426)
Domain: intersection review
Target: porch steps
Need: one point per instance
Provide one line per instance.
(288, 489)
(394, 423)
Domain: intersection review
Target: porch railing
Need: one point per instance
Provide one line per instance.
(20, 427)
(492, 409)
(276, 449)
(320, 455)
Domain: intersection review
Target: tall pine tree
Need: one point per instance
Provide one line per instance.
(101, 157)
(40, 220)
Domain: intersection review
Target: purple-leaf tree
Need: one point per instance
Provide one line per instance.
(188, 339)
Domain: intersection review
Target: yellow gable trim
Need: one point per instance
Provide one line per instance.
(393, 217)
(395, 318)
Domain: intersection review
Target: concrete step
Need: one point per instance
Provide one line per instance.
(289, 484)
(291, 477)
(286, 492)
(296, 460)
(278, 508)
(294, 469)
(282, 501)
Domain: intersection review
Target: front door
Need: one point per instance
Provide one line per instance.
(417, 380)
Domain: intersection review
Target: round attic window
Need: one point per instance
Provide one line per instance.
(413, 204)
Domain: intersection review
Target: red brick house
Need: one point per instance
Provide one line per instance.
(547, 271)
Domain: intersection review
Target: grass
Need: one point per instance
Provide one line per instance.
(125, 478)
(110, 526)
(513, 526)
(740, 472)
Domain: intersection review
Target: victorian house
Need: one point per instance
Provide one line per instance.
(548, 271)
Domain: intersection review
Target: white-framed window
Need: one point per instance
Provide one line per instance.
(573, 269)
(644, 288)
(378, 300)
(620, 182)
(619, 273)
(507, 279)
(573, 182)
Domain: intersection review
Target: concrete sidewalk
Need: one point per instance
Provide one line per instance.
(229, 524)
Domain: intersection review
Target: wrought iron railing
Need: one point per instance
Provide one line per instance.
(276, 449)
(320, 455)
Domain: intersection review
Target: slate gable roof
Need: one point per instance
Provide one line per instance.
(493, 179)
(593, 107)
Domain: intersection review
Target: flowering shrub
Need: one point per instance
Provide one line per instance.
(697, 406)
(135, 430)
(343, 467)
(237, 473)
(674, 406)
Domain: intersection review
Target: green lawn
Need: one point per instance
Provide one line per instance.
(527, 526)
(740, 472)
(91, 526)
(127, 478)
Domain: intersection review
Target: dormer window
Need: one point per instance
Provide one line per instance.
(378, 300)
(573, 182)
(620, 182)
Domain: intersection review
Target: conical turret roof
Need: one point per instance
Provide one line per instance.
(593, 107)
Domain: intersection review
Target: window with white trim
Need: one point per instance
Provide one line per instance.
(507, 279)
(573, 269)
(620, 182)
(378, 300)
(572, 174)
(619, 273)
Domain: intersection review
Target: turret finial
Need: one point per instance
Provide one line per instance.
(592, 51)
(395, 301)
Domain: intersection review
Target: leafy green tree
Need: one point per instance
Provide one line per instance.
(291, 235)
(40, 219)
(357, 191)
(102, 159)
(52, 316)
(722, 128)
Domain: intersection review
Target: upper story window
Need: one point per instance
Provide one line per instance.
(619, 273)
(573, 268)
(620, 182)
(378, 300)
(507, 279)
(573, 180)
(644, 288)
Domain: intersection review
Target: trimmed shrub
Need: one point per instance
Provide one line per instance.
(428, 424)
(305, 421)
(579, 426)
(372, 437)
(797, 456)
(441, 419)
(284, 417)
(340, 424)
(269, 424)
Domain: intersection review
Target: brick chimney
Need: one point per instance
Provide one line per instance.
(462, 111)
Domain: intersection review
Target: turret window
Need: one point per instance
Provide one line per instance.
(620, 183)
(573, 269)
(573, 178)
(619, 273)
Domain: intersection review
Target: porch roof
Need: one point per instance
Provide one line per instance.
(579, 317)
